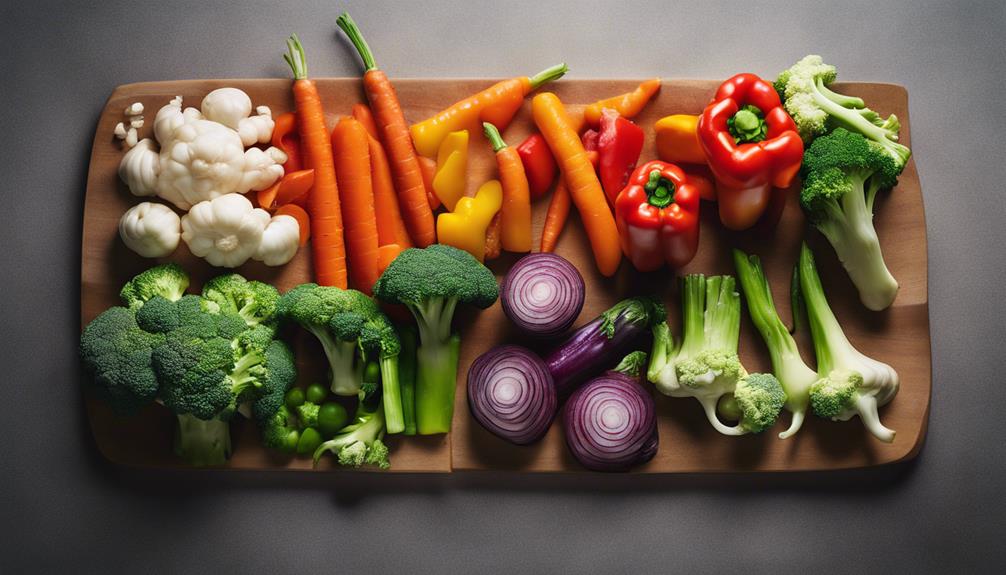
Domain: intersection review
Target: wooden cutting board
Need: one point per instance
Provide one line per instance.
(899, 335)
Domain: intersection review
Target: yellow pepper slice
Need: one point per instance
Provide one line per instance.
(678, 141)
(450, 180)
(465, 227)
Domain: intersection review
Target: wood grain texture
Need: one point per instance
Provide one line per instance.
(899, 335)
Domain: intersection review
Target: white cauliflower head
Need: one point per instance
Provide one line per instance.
(226, 231)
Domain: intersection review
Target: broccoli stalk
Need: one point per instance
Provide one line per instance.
(431, 282)
(849, 383)
(842, 174)
(705, 365)
(202, 442)
(787, 365)
(816, 109)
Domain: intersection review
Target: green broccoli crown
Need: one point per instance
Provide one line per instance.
(254, 301)
(315, 307)
(116, 352)
(834, 395)
(193, 372)
(379, 338)
(280, 375)
(307, 414)
(797, 86)
(280, 431)
(839, 163)
(167, 280)
(158, 315)
(258, 336)
(709, 366)
(760, 398)
(438, 271)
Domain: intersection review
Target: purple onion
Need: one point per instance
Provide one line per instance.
(611, 423)
(542, 294)
(602, 342)
(510, 393)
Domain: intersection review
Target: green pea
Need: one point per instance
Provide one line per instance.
(331, 418)
(316, 393)
(309, 440)
(294, 397)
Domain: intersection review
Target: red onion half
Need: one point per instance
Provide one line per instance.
(611, 423)
(542, 294)
(510, 393)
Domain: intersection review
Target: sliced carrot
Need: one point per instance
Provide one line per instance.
(304, 220)
(294, 186)
(267, 198)
(285, 137)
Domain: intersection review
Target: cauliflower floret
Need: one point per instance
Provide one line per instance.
(225, 231)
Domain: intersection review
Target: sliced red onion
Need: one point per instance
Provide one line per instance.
(611, 423)
(542, 294)
(511, 394)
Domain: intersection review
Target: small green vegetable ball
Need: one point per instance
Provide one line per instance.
(331, 418)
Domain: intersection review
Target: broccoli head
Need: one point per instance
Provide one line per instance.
(116, 353)
(281, 431)
(816, 109)
(361, 442)
(167, 280)
(755, 403)
(431, 282)
(254, 301)
(843, 172)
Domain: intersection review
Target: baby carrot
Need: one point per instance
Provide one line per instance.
(558, 211)
(363, 115)
(515, 214)
(328, 247)
(497, 105)
(394, 131)
(584, 188)
(350, 143)
(627, 105)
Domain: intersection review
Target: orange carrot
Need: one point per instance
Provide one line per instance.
(387, 254)
(267, 198)
(302, 218)
(429, 169)
(584, 188)
(493, 245)
(627, 105)
(364, 116)
(294, 186)
(515, 215)
(284, 137)
(394, 131)
(328, 247)
(497, 105)
(351, 145)
(390, 227)
(558, 211)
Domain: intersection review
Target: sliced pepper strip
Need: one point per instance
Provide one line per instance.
(657, 216)
(452, 169)
(465, 227)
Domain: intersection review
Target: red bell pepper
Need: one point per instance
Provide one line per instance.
(657, 215)
(619, 143)
(589, 140)
(539, 164)
(752, 146)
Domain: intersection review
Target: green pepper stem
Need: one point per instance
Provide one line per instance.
(345, 21)
(747, 125)
(547, 75)
(659, 190)
(494, 136)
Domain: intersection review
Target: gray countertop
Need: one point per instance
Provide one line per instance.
(64, 508)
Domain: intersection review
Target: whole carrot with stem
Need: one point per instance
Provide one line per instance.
(497, 105)
(394, 131)
(390, 226)
(327, 244)
(515, 214)
(558, 211)
(350, 144)
(584, 187)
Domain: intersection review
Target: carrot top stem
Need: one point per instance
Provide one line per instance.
(295, 57)
(548, 74)
(494, 136)
(345, 21)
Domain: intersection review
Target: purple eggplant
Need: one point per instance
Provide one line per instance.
(603, 342)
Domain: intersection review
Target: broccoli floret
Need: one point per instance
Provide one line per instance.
(116, 353)
(842, 174)
(360, 442)
(705, 365)
(280, 376)
(167, 280)
(254, 301)
(351, 329)
(849, 383)
(158, 315)
(431, 282)
(307, 414)
(787, 365)
(816, 109)
(755, 402)
(281, 431)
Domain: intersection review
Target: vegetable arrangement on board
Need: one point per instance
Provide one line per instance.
(386, 209)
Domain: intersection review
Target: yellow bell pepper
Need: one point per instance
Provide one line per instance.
(465, 227)
(678, 141)
(450, 180)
